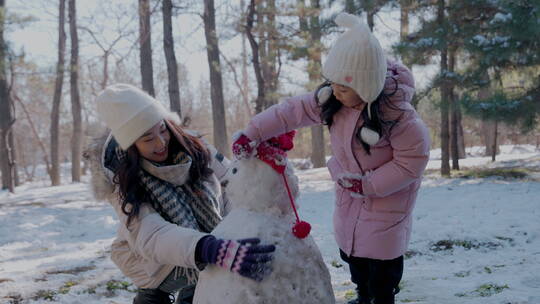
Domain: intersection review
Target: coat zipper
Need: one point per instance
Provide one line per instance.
(352, 145)
(362, 172)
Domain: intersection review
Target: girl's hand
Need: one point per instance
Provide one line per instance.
(245, 257)
(242, 146)
(353, 184)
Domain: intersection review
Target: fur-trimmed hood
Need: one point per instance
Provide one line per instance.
(101, 184)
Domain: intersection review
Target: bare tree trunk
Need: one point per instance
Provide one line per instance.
(405, 6)
(170, 57)
(318, 156)
(57, 98)
(22, 162)
(489, 127)
(216, 83)
(404, 19)
(145, 42)
(454, 131)
(272, 55)
(14, 153)
(267, 60)
(77, 137)
(105, 78)
(370, 20)
(245, 76)
(371, 8)
(445, 97)
(453, 110)
(6, 114)
(260, 101)
(34, 132)
(461, 135)
(494, 145)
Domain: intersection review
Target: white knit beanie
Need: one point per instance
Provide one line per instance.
(356, 60)
(129, 112)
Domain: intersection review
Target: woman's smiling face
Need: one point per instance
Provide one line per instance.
(154, 143)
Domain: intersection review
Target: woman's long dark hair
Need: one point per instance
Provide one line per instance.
(377, 122)
(127, 175)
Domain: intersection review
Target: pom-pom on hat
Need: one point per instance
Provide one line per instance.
(356, 60)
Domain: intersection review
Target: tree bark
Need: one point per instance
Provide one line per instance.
(245, 76)
(404, 19)
(6, 114)
(216, 83)
(57, 98)
(453, 110)
(145, 42)
(272, 55)
(318, 155)
(265, 51)
(105, 79)
(370, 20)
(494, 144)
(405, 8)
(461, 135)
(77, 137)
(489, 127)
(445, 97)
(34, 132)
(489, 131)
(170, 57)
(260, 101)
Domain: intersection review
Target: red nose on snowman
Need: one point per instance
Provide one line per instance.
(273, 152)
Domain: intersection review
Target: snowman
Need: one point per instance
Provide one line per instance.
(261, 190)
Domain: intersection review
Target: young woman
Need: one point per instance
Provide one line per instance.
(163, 184)
(380, 149)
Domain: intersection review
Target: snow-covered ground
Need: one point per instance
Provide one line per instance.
(474, 240)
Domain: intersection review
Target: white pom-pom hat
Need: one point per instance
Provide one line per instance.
(356, 60)
(129, 112)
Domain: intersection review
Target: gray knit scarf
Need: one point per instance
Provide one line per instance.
(182, 202)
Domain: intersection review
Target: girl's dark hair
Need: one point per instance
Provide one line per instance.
(376, 123)
(127, 176)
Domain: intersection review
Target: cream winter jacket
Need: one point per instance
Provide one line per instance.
(151, 248)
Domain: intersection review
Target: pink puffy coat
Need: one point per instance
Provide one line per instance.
(377, 226)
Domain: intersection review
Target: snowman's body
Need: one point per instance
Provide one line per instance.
(261, 209)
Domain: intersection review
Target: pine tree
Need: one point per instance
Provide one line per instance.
(432, 40)
(502, 78)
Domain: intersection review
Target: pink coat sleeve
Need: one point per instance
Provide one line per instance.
(409, 139)
(293, 113)
(410, 142)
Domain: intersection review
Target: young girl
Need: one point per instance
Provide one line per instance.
(380, 148)
(162, 183)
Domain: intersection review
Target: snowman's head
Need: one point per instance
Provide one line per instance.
(254, 185)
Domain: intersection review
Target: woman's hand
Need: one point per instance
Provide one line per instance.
(245, 257)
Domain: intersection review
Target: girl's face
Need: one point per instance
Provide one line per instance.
(154, 144)
(347, 96)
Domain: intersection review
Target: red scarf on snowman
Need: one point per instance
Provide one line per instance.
(274, 152)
